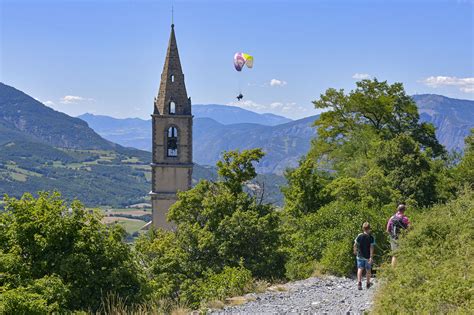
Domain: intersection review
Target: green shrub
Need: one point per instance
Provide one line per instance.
(45, 295)
(46, 243)
(337, 258)
(435, 263)
(231, 281)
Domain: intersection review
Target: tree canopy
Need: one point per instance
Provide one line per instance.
(63, 252)
(376, 106)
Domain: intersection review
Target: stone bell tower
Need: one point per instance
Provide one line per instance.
(172, 125)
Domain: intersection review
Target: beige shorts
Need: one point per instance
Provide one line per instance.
(393, 244)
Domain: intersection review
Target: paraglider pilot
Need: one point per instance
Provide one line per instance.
(241, 59)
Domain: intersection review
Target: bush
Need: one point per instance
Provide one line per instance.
(47, 244)
(338, 258)
(434, 272)
(45, 295)
(231, 281)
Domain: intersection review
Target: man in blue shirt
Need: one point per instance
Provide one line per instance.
(364, 250)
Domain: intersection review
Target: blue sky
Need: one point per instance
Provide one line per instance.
(106, 57)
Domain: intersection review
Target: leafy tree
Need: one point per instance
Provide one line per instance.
(408, 170)
(219, 225)
(304, 192)
(45, 237)
(236, 168)
(374, 105)
(222, 224)
(465, 170)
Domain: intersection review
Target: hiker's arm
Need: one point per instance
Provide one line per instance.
(355, 248)
(372, 250)
(407, 222)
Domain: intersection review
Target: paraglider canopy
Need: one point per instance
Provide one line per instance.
(241, 59)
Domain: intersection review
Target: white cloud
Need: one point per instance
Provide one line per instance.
(248, 104)
(276, 82)
(71, 99)
(361, 76)
(465, 85)
(285, 107)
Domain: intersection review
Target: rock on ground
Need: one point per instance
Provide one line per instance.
(327, 295)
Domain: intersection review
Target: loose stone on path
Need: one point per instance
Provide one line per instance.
(327, 295)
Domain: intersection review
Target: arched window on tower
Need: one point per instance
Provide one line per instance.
(172, 142)
(172, 109)
(172, 78)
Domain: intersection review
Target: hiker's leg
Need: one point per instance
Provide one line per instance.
(368, 274)
(394, 247)
(359, 274)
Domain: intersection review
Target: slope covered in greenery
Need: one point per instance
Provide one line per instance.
(435, 263)
(21, 112)
(98, 177)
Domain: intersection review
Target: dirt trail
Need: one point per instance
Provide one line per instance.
(328, 295)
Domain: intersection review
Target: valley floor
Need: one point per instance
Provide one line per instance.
(327, 295)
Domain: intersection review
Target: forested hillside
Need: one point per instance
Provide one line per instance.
(22, 113)
(372, 153)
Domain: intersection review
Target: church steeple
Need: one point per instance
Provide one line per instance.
(172, 123)
(172, 96)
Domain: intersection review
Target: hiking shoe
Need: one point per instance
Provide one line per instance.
(359, 285)
(369, 285)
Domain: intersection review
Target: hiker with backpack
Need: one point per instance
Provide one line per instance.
(398, 222)
(364, 250)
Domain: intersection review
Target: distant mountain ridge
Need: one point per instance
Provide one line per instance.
(453, 118)
(228, 115)
(284, 143)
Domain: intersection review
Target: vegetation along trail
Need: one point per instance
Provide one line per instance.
(331, 295)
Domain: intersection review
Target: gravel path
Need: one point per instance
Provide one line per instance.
(328, 295)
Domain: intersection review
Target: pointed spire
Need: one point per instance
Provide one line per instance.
(172, 87)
